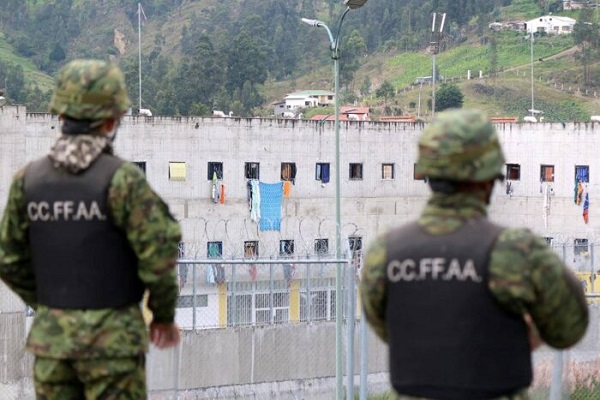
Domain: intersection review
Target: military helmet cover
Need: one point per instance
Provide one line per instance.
(460, 145)
(90, 90)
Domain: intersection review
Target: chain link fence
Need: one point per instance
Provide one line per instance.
(290, 327)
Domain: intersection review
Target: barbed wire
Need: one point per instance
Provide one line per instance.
(306, 236)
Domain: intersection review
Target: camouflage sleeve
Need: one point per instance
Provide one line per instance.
(373, 287)
(153, 234)
(526, 276)
(15, 256)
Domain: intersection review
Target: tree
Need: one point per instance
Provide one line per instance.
(354, 49)
(365, 88)
(585, 37)
(448, 96)
(248, 58)
(57, 54)
(386, 90)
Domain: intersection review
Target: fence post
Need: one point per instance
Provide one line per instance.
(234, 297)
(194, 296)
(350, 320)
(592, 273)
(271, 313)
(557, 371)
(364, 356)
(308, 295)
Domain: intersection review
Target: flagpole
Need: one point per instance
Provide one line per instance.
(140, 56)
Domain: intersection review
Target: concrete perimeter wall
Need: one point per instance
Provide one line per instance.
(275, 362)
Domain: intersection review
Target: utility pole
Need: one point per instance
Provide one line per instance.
(140, 13)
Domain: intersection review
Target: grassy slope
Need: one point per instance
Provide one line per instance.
(33, 76)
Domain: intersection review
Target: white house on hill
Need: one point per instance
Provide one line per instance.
(294, 102)
(310, 98)
(551, 24)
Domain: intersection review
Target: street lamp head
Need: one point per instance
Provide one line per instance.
(354, 4)
(311, 22)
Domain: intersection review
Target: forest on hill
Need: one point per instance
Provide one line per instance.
(200, 55)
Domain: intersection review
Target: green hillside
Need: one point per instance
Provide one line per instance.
(242, 55)
(33, 76)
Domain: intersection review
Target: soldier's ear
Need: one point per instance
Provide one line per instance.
(108, 126)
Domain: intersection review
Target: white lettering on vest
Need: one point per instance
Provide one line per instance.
(64, 211)
(438, 268)
(401, 271)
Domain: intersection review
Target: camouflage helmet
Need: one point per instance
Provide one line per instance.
(460, 145)
(90, 90)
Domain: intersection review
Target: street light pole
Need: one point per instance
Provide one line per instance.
(334, 42)
(436, 37)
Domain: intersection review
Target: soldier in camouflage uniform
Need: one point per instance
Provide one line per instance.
(82, 237)
(460, 301)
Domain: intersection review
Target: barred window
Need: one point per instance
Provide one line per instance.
(288, 171)
(214, 249)
(417, 177)
(215, 168)
(252, 170)
(355, 243)
(321, 246)
(286, 247)
(547, 173)
(387, 171)
(251, 249)
(582, 173)
(141, 165)
(356, 171)
(513, 172)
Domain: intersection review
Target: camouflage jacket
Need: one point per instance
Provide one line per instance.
(152, 233)
(525, 275)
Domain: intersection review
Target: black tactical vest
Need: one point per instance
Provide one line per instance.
(448, 338)
(80, 258)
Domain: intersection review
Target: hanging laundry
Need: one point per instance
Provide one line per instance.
(253, 271)
(214, 190)
(183, 274)
(222, 196)
(249, 193)
(219, 272)
(546, 205)
(325, 173)
(270, 206)
(255, 206)
(287, 188)
(210, 275)
(586, 208)
(289, 271)
(579, 193)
